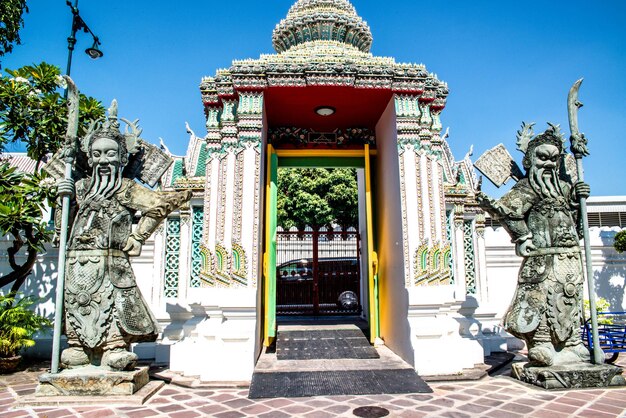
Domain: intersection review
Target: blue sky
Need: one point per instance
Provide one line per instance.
(505, 62)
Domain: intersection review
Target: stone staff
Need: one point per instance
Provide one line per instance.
(579, 149)
(69, 154)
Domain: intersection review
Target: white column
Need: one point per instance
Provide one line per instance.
(158, 270)
(185, 253)
(459, 253)
(480, 259)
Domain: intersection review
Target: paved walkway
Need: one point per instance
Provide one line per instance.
(495, 396)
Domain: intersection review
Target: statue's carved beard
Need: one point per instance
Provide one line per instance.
(105, 181)
(545, 182)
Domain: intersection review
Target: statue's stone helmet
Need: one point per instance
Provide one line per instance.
(109, 127)
(527, 144)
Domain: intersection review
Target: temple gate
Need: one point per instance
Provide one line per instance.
(323, 95)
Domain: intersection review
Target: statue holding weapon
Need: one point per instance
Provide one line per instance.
(104, 310)
(545, 216)
(542, 215)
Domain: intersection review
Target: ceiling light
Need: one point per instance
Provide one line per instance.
(325, 110)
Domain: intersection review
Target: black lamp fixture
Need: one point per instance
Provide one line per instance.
(79, 24)
(93, 52)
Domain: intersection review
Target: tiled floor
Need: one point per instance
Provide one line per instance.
(497, 396)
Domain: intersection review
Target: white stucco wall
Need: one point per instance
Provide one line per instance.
(393, 296)
(503, 265)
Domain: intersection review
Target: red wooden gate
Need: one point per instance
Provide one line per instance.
(318, 273)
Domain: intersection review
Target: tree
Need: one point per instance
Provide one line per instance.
(317, 197)
(11, 20)
(32, 112)
(620, 241)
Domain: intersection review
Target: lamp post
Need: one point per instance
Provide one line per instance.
(79, 24)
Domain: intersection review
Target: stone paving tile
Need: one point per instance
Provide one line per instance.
(15, 414)
(573, 402)
(403, 402)
(211, 409)
(238, 403)
(318, 414)
(142, 413)
(255, 409)
(601, 407)
(488, 402)
(230, 414)
(98, 413)
(428, 408)
(185, 414)
(517, 408)
(474, 409)
(545, 414)
(296, 410)
(419, 397)
(590, 413)
(320, 403)
(492, 397)
(337, 409)
(275, 414)
(502, 414)
(560, 408)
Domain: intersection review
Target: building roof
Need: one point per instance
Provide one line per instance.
(20, 160)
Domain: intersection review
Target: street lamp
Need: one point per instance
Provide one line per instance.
(79, 24)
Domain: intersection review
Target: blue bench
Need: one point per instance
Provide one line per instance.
(611, 331)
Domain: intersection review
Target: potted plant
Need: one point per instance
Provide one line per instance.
(17, 326)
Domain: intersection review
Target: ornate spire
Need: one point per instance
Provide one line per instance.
(322, 20)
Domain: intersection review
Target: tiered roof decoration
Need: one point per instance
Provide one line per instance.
(323, 43)
(324, 20)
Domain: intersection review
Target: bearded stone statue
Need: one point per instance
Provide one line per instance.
(104, 309)
(541, 214)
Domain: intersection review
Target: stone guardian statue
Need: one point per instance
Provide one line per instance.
(541, 214)
(104, 309)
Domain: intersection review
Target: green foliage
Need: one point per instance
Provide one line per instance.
(317, 197)
(602, 305)
(18, 324)
(22, 201)
(11, 20)
(619, 242)
(32, 112)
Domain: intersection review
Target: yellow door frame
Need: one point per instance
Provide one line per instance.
(274, 157)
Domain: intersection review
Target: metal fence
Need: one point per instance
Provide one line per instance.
(318, 272)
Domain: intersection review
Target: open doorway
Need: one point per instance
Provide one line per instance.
(344, 281)
(318, 245)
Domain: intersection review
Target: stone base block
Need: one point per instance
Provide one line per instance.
(569, 376)
(137, 399)
(92, 381)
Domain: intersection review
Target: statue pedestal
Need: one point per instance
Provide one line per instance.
(569, 376)
(92, 381)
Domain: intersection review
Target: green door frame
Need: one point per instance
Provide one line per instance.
(313, 159)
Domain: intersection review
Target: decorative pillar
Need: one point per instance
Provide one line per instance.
(158, 268)
(479, 258)
(247, 231)
(185, 252)
(458, 251)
